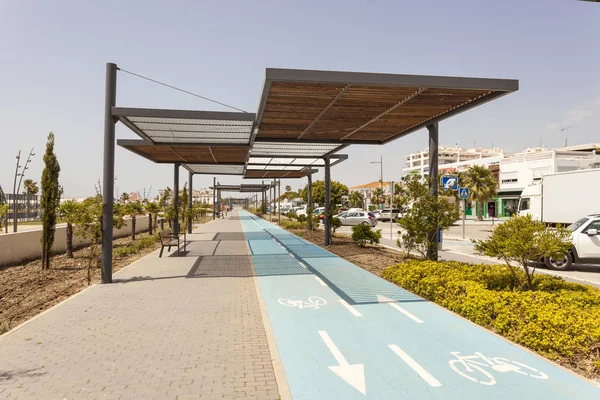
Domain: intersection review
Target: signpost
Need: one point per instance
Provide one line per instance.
(463, 193)
(450, 182)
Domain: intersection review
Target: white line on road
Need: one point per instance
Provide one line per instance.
(320, 281)
(415, 366)
(393, 303)
(353, 374)
(353, 310)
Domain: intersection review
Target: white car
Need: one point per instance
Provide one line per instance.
(586, 244)
(299, 210)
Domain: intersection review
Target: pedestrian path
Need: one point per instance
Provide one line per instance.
(343, 333)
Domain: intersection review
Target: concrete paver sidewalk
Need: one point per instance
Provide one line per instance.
(168, 328)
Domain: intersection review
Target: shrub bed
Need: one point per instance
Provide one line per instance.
(558, 319)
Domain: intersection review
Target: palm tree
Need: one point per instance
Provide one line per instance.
(482, 186)
(288, 188)
(124, 198)
(30, 187)
(69, 212)
(152, 208)
(356, 200)
(377, 196)
(133, 209)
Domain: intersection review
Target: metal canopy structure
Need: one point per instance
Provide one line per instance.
(304, 118)
(363, 108)
(243, 188)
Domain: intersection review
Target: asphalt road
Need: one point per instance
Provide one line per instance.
(456, 248)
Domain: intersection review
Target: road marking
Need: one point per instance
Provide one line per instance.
(320, 281)
(302, 265)
(353, 310)
(427, 377)
(393, 303)
(353, 374)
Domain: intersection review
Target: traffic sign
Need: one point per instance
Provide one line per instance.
(450, 182)
(463, 193)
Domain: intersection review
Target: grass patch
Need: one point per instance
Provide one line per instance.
(558, 319)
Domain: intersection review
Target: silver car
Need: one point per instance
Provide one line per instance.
(357, 218)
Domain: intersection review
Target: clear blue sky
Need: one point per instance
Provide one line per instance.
(53, 56)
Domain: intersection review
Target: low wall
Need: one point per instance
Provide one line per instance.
(25, 246)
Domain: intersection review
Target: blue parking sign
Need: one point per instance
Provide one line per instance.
(450, 182)
(463, 193)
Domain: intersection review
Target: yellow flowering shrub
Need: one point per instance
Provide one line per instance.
(558, 319)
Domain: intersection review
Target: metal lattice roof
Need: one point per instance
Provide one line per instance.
(297, 149)
(215, 169)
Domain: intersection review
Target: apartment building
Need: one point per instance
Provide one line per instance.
(418, 163)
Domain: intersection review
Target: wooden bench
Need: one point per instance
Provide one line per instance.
(169, 239)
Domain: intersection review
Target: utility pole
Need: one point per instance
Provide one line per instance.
(566, 131)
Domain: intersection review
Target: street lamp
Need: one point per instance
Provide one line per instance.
(380, 162)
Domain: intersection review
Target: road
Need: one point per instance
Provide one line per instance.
(344, 333)
(457, 249)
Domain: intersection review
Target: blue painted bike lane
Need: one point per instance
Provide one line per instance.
(344, 333)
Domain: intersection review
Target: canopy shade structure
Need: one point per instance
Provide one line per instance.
(294, 148)
(363, 108)
(278, 173)
(243, 188)
(215, 169)
(187, 153)
(291, 162)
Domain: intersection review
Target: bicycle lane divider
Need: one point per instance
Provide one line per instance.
(367, 341)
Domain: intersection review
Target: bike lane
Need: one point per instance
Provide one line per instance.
(372, 339)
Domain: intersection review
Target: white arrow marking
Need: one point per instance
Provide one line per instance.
(353, 310)
(393, 303)
(427, 377)
(353, 374)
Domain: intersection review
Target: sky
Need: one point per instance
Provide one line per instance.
(53, 56)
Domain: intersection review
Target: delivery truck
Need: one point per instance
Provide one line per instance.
(562, 198)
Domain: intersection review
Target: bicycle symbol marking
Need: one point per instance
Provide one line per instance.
(470, 366)
(314, 302)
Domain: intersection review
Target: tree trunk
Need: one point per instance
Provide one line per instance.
(150, 223)
(69, 241)
(480, 212)
(133, 227)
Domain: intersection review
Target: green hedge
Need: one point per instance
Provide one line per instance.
(135, 247)
(557, 319)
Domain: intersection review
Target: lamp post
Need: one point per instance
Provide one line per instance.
(380, 162)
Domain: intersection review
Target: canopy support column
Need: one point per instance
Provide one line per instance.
(262, 203)
(176, 198)
(279, 202)
(432, 251)
(190, 202)
(327, 220)
(108, 175)
(309, 202)
(214, 191)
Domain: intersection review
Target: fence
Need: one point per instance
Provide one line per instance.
(28, 207)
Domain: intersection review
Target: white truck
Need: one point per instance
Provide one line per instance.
(562, 197)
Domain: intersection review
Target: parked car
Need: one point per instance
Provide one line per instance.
(357, 218)
(341, 215)
(376, 213)
(388, 213)
(586, 244)
(300, 210)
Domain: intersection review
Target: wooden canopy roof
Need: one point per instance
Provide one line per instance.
(363, 108)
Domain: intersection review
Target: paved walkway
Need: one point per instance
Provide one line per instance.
(253, 312)
(169, 328)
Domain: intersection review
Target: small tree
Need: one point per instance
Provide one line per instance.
(185, 213)
(124, 197)
(482, 186)
(69, 212)
(51, 192)
(152, 208)
(133, 209)
(335, 224)
(424, 217)
(363, 233)
(522, 240)
(3, 211)
(356, 200)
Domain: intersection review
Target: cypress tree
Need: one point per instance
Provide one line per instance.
(50, 200)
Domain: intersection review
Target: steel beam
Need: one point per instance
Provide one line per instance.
(214, 191)
(108, 173)
(432, 252)
(182, 114)
(190, 202)
(176, 198)
(326, 220)
(309, 201)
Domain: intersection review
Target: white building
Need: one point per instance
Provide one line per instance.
(367, 189)
(418, 163)
(202, 195)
